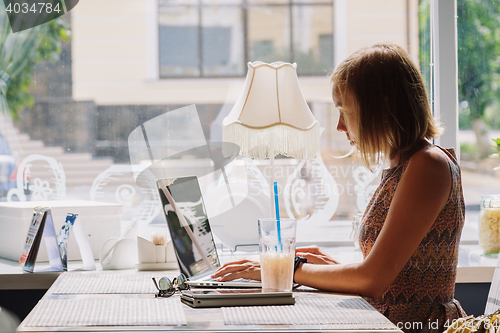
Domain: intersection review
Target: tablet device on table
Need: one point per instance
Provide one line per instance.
(206, 298)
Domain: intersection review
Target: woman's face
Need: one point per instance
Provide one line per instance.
(348, 116)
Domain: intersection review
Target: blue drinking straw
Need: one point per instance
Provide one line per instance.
(277, 212)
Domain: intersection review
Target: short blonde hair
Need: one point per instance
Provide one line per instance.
(389, 97)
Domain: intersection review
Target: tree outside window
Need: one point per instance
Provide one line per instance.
(478, 28)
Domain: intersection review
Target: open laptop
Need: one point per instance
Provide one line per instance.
(191, 233)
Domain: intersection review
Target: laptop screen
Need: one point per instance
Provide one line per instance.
(190, 231)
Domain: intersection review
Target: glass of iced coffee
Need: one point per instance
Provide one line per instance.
(277, 253)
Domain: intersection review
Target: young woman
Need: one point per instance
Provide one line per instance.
(411, 229)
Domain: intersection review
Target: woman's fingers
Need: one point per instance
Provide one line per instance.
(243, 268)
(319, 259)
(309, 249)
(251, 273)
(315, 255)
(228, 269)
(311, 258)
(240, 261)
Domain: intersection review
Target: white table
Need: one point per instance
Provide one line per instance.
(343, 313)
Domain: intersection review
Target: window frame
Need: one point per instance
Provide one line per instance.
(445, 71)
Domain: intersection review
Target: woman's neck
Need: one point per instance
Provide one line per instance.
(401, 157)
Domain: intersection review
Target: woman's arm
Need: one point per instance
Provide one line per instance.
(421, 195)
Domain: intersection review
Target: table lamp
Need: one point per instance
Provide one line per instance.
(271, 116)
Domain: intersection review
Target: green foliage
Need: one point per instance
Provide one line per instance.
(478, 29)
(497, 154)
(492, 114)
(51, 36)
(497, 144)
(424, 53)
(468, 151)
(464, 118)
(471, 152)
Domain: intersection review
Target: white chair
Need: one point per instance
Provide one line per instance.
(116, 184)
(51, 186)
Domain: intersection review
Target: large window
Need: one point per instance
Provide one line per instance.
(210, 38)
(87, 102)
(478, 30)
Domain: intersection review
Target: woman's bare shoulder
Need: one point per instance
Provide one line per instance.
(430, 160)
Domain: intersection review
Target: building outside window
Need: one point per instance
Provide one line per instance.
(218, 38)
(125, 63)
(128, 62)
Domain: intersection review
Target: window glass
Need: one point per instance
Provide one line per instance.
(359, 24)
(478, 32)
(179, 41)
(222, 41)
(115, 67)
(220, 37)
(200, 39)
(269, 33)
(313, 38)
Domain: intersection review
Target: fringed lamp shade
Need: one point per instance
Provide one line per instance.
(271, 116)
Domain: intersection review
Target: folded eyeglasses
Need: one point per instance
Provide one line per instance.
(167, 288)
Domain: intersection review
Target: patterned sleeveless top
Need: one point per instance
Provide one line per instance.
(423, 292)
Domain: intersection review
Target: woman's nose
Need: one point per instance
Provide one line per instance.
(341, 127)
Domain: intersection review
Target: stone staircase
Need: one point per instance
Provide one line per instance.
(80, 168)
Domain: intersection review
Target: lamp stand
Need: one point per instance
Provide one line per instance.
(228, 187)
(271, 183)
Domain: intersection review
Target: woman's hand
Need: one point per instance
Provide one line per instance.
(315, 255)
(244, 268)
(249, 269)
